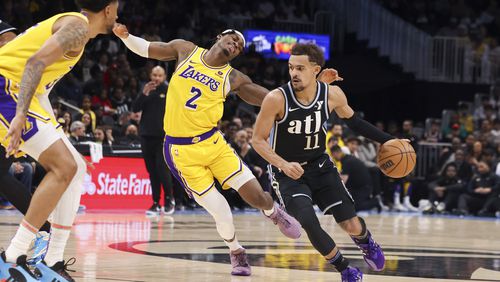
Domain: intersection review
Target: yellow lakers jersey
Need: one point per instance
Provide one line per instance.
(13, 55)
(195, 97)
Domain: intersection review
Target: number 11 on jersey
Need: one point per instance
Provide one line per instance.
(308, 142)
(190, 104)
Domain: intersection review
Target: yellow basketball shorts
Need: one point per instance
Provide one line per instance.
(197, 161)
(41, 129)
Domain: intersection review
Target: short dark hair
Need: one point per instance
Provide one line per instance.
(93, 5)
(313, 52)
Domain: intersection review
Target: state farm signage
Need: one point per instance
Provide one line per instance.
(117, 183)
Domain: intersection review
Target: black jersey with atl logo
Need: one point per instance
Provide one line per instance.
(300, 135)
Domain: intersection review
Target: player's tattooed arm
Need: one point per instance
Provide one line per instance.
(249, 91)
(70, 34)
(71, 37)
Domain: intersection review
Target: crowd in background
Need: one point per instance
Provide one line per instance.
(95, 101)
(477, 21)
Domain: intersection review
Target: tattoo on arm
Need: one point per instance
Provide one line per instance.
(31, 78)
(72, 36)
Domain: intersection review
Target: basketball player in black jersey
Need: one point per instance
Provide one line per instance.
(293, 118)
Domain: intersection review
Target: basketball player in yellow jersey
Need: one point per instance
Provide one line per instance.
(195, 151)
(30, 65)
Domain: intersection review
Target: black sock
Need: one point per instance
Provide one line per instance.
(339, 261)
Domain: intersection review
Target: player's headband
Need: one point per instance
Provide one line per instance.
(234, 31)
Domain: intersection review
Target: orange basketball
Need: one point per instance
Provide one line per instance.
(396, 158)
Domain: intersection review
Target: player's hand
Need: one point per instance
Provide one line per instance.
(406, 140)
(15, 130)
(120, 30)
(293, 170)
(329, 75)
(149, 87)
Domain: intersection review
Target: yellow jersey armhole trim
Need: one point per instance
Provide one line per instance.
(187, 58)
(224, 94)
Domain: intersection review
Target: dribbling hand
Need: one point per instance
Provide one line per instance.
(293, 170)
(120, 30)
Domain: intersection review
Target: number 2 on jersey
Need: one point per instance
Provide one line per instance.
(190, 104)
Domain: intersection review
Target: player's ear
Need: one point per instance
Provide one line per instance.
(317, 69)
(219, 37)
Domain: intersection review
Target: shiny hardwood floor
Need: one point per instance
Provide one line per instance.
(186, 247)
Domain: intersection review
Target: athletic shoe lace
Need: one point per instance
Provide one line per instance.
(64, 270)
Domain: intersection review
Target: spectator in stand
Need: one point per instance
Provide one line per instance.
(465, 119)
(230, 130)
(475, 155)
(121, 125)
(353, 143)
(407, 133)
(77, 132)
(495, 131)
(480, 112)
(87, 109)
(367, 153)
(357, 179)
(87, 122)
(94, 85)
(119, 101)
(434, 132)
(444, 192)
(485, 132)
(454, 131)
(483, 185)
(101, 137)
(335, 132)
(23, 171)
(68, 120)
(103, 101)
(131, 137)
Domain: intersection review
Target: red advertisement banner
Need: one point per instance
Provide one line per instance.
(117, 183)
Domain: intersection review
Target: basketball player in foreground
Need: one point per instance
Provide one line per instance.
(11, 189)
(30, 65)
(195, 151)
(293, 118)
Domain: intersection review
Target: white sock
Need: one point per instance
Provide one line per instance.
(19, 244)
(57, 244)
(269, 212)
(233, 245)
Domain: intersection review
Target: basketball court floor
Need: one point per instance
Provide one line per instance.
(186, 247)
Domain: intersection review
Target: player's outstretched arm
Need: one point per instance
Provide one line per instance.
(338, 102)
(176, 49)
(71, 35)
(249, 91)
(271, 110)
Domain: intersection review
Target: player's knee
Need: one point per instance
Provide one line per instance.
(65, 170)
(307, 218)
